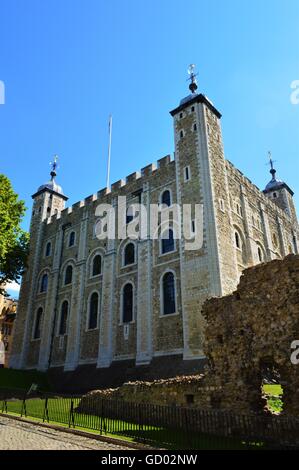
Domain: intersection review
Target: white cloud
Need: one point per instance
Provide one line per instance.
(13, 286)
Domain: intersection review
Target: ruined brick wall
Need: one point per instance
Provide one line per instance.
(253, 328)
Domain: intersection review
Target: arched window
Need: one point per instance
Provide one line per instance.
(168, 293)
(38, 324)
(129, 255)
(72, 239)
(127, 303)
(44, 283)
(63, 318)
(166, 198)
(93, 311)
(97, 265)
(68, 275)
(48, 249)
(237, 240)
(167, 242)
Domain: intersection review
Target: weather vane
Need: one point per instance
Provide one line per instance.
(270, 160)
(271, 163)
(54, 166)
(192, 77)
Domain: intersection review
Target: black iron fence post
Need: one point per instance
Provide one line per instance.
(46, 411)
(71, 416)
(24, 408)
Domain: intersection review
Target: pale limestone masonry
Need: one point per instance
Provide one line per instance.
(242, 226)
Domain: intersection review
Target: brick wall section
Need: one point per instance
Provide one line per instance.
(251, 328)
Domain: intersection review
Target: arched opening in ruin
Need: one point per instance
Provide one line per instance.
(271, 387)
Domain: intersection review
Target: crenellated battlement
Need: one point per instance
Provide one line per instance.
(116, 187)
(253, 188)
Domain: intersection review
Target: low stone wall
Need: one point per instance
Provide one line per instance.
(190, 391)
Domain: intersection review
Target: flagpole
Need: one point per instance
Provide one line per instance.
(109, 152)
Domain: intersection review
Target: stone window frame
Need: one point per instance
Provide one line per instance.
(58, 335)
(238, 209)
(193, 227)
(67, 262)
(174, 242)
(262, 250)
(94, 291)
(221, 204)
(121, 322)
(237, 231)
(162, 315)
(48, 243)
(72, 233)
(187, 167)
(91, 275)
(181, 134)
(40, 306)
(161, 207)
(40, 278)
(69, 265)
(123, 250)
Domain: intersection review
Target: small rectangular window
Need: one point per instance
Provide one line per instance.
(193, 226)
(187, 173)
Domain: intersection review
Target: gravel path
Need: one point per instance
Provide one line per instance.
(15, 435)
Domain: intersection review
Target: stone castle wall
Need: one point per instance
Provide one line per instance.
(231, 204)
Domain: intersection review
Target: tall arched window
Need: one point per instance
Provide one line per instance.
(44, 283)
(237, 240)
(97, 265)
(260, 254)
(38, 324)
(68, 275)
(72, 239)
(129, 254)
(127, 303)
(167, 242)
(93, 311)
(63, 318)
(168, 292)
(48, 249)
(166, 198)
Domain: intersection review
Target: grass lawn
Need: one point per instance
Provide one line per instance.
(22, 379)
(274, 394)
(156, 436)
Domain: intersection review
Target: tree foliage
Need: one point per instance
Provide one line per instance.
(14, 242)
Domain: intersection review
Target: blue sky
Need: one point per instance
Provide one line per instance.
(68, 64)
